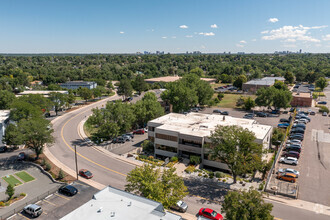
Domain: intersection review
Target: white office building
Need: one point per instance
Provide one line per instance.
(4, 121)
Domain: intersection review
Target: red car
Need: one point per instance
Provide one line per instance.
(85, 173)
(139, 131)
(210, 214)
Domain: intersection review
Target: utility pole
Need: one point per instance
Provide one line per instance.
(75, 157)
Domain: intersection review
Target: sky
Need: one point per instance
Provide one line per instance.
(175, 26)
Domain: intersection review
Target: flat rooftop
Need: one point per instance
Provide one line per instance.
(264, 81)
(39, 92)
(4, 114)
(77, 83)
(201, 125)
(112, 203)
(173, 79)
(302, 94)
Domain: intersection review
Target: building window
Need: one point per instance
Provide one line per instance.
(166, 148)
(151, 128)
(166, 137)
(191, 143)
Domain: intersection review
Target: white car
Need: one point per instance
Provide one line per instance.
(289, 160)
(294, 141)
(289, 170)
(301, 121)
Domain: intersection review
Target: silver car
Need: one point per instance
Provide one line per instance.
(180, 206)
(289, 170)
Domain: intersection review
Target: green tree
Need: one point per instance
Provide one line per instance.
(71, 98)
(277, 136)
(139, 84)
(236, 147)
(322, 83)
(58, 100)
(239, 81)
(85, 93)
(13, 136)
(165, 187)
(197, 71)
(247, 205)
(272, 97)
(38, 101)
(125, 88)
(249, 103)
(280, 85)
(289, 77)
(23, 110)
(98, 91)
(10, 191)
(6, 99)
(54, 87)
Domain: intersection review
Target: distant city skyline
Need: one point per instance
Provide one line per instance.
(127, 26)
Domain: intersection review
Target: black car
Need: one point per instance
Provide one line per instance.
(291, 109)
(217, 111)
(225, 113)
(322, 103)
(284, 120)
(297, 130)
(312, 113)
(261, 114)
(297, 136)
(296, 149)
(3, 149)
(68, 190)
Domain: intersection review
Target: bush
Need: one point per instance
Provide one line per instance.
(224, 180)
(190, 169)
(60, 174)
(219, 174)
(200, 174)
(10, 191)
(174, 159)
(261, 186)
(323, 109)
(53, 175)
(2, 204)
(211, 175)
(194, 160)
(22, 194)
(48, 167)
(43, 162)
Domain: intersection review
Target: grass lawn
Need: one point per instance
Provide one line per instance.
(11, 180)
(24, 176)
(229, 100)
(78, 98)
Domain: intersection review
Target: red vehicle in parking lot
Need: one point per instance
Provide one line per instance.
(292, 154)
(210, 214)
(139, 131)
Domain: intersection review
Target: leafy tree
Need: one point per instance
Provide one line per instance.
(280, 85)
(6, 98)
(289, 77)
(197, 71)
(236, 147)
(125, 88)
(10, 191)
(13, 136)
(247, 205)
(85, 93)
(322, 83)
(277, 136)
(278, 98)
(249, 103)
(220, 96)
(224, 78)
(165, 187)
(54, 87)
(58, 100)
(23, 110)
(98, 91)
(38, 101)
(139, 84)
(71, 98)
(239, 81)
(110, 85)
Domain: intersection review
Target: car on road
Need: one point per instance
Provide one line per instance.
(261, 114)
(291, 154)
(33, 210)
(139, 131)
(285, 120)
(130, 135)
(68, 190)
(85, 173)
(118, 140)
(249, 116)
(289, 170)
(224, 113)
(324, 114)
(210, 214)
(287, 177)
(283, 125)
(322, 103)
(3, 149)
(21, 156)
(289, 160)
(217, 111)
(180, 206)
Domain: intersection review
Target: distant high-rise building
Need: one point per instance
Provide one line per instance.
(300, 50)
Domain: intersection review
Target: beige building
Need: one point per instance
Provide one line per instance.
(167, 79)
(184, 135)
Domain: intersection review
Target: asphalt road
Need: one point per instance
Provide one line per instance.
(109, 171)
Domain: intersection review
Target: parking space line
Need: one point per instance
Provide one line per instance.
(81, 184)
(23, 216)
(50, 202)
(61, 196)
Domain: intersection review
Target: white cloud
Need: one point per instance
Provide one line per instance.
(254, 40)
(290, 40)
(207, 34)
(164, 37)
(173, 37)
(122, 32)
(318, 45)
(291, 33)
(189, 36)
(243, 42)
(289, 45)
(183, 26)
(214, 26)
(273, 20)
(203, 47)
(326, 37)
(264, 32)
(239, 45)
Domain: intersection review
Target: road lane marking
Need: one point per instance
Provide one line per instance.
(50, 202)
(62, 196)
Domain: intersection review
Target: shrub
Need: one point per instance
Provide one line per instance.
(224, 180)
(219, 174)
(60, 174)
(43, 162)
(200, 174)
(48, 167)
(323, 109)
(194, 160)
(22, 194)
(211, 175)
(2, 204)
(261, 186)
(53, 175)
(174, 159)
(10, 191)
(190, 169)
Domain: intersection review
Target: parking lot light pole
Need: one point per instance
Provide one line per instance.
(75, 157)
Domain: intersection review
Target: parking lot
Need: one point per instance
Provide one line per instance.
(57, 205)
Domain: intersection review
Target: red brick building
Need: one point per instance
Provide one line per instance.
(302, 99)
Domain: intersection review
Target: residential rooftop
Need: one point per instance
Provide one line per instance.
(4, 114)
(265, 81)
(112, 203)
(173, 79)
(201, 125)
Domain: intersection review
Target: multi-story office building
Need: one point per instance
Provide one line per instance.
(77, 84)
(184, 135)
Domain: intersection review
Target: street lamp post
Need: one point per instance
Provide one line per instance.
(75, 157)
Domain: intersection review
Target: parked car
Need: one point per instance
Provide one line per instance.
(180, 206)
(85, 173)
(294, 145)
(297, 130)
(118, 140)
(249, 116)
(33, 210)
(301, 121)
(194, 109)
(289, 160)
(283, 125)
(68, 190)
(261, 114)
(297, 136)
(126, 137)
(224, 113)
(217, 111)
(291, 109)
(285, 120)
(296, 149)
(294, 141)
(294, 154)
(139, 131)
(305, 117)
(3, 149)
(324, 114)
(300, 126)
(21, 156)
(289, 170)
(312, 113)
(322, 103)
(130, 135)
(210, 214)
(275, 111)
(287, 177)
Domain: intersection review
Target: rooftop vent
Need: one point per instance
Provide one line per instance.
(129, 204)
(112, 214)
(100, 209)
